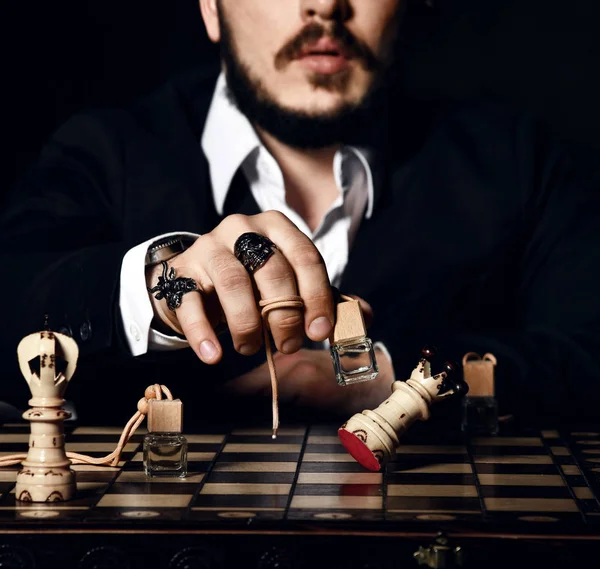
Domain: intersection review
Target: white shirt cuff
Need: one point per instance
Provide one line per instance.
(135, 305)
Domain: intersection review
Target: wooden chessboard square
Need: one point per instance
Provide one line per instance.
(145, 500)
(245, 488)
(330, 467)
(12, 438)
(560, 451)
(255, 466)
(326, 448)
(103, 476)
(108, 440)
(9, 476)
(419, 460)
(342, 477)
(322, 457)
(526, 504)
(216, 439)
(259, 457)
(84, 499)
(583, 493)
(589, 506)
(492, 450)
(328, 490)
(520, 479)
(570, 469)
(155, 488)
(499, 469)
(97, 448)
(507, 441)
(436, 449)
(204, 448)
(314, 439)
(241, 501)
(92, 431)
(79, 468)
(550, 492)
(262, 448)
(191, 456)
(451, 479)
(6, 487)
(252, 477)
(550, 434)
(266, 439)
(282, 431)
(336, 502)
(428, 503)
(512, 459)
(327, 430)
(420, 466)
(431, 490)
(568, 459)
(140, 477)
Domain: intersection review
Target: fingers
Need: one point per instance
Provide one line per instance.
(276, 279)
(197, 328)
(235, 293)
(309, 272)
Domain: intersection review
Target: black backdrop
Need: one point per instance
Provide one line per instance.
(64, 55)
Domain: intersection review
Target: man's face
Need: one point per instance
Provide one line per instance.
(315, 59)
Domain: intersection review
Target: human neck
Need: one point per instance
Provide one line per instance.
(310, 186)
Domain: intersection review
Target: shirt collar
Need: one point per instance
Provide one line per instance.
(229, 138)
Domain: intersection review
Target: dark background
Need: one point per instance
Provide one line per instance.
(65, 55)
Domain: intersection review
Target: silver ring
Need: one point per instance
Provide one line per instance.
(253, 250)
(172, 288)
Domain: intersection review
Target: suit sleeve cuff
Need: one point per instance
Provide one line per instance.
(135, 306)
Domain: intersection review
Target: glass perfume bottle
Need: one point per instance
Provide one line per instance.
(480, 406)
(352, 352)
(480, 415)
(165, 448)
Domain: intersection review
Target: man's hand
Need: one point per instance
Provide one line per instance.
(307, 379)
(227, 291)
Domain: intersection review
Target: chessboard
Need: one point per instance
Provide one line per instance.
(535, 485)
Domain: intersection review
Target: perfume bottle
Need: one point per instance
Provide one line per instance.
(165, 448)
(351, 351)
(480, 406)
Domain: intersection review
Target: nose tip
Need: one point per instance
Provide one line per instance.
(324, 9)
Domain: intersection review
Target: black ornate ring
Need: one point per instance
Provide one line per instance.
(172, 288)
(253, 250)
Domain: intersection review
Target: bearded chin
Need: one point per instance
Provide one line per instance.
(294, 128)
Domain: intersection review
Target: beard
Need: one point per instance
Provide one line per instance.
(344, 125)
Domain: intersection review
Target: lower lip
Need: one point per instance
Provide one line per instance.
(325, 64)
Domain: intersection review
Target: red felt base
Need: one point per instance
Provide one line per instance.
(359, 450)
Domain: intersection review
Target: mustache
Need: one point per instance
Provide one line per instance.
(313, 32)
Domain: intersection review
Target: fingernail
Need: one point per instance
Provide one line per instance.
(292, 345)
(319, 328)
(247, 349)
(208, 351)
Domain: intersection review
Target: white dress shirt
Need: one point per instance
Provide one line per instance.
(229, 142)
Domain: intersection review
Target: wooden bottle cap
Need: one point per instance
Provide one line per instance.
(165, 416)
(349, 322)
(479, 374)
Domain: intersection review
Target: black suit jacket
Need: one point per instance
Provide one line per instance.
(481, 240)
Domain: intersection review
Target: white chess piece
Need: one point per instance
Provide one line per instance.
(371, 437)
(46, 475)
